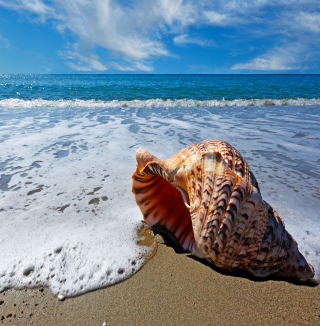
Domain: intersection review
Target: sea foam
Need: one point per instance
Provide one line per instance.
(68, 217)
(156, 102)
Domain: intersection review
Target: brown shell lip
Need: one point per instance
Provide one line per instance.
(208, 198)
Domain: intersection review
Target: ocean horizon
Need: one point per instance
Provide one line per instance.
(130, 87)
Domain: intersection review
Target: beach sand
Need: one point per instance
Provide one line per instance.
(173, 288)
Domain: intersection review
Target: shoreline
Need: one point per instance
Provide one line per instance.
(172, 288)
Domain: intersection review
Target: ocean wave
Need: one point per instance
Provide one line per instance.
(157, 102)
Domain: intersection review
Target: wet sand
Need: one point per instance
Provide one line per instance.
(173, 288)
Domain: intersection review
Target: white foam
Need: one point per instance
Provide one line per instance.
(69, 153)
(60, 235)
(150, 103)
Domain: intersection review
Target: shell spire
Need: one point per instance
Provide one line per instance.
(208, 198)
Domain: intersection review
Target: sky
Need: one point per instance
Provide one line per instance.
(159, 36)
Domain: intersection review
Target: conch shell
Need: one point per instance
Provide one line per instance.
(207, 197)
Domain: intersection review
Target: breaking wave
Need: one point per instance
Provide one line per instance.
(158, 102)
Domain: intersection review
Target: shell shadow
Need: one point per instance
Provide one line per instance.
(170, 241)
(247, 275)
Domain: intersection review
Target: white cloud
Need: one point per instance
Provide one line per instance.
(303, 21)
(37, 7)
(280, 58)
(105, 24)
(185, 39)
(234, 12)
(4, 43)
(217, 19)
(83, 63)
(181, 11)
(91, 62)
(141, 66)
(132, 32)
(123, 31)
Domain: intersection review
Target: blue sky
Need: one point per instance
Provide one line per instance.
(159, 36)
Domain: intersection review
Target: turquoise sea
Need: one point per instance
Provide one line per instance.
(67, 152)
(280, 89)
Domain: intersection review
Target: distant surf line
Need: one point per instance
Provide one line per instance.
(156, 102)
